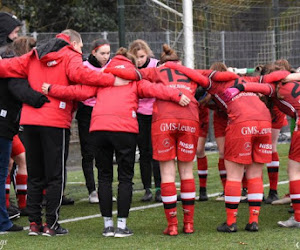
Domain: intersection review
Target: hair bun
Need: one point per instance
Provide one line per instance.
(168, 54)
(167, 49)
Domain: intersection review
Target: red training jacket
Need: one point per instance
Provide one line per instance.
(55, 62)
(176, 80)
(115, 108)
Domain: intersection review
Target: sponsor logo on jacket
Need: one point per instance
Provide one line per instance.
(51, 63)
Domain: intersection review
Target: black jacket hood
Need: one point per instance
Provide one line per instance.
(52, 45)
(8, 23)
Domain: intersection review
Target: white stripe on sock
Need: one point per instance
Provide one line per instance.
(232, 199)
(257, 196)
(189, 195)
(172, 198)
(21, 187)
(273, 164)
(202, 172)
(295, 196)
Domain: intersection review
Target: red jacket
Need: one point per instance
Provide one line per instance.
(243, 107)
(289, 103)
(55, 62)
(116, 107)
(175, 80)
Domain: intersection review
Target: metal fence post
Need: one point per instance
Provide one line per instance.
(223, 45)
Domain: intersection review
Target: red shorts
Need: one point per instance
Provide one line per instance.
(278, 118)
(294, 153)
(203, 121)
(220, 123)
(248, 142)
(171, 138)
(17, 146)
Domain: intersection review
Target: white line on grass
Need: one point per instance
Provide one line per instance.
(137, 208)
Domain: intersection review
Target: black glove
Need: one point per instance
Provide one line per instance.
(240, 87)
(200, 93)
(41, 101)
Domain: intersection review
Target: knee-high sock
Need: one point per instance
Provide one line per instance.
(188, 193)
(169, 198)
(21, 185)
(202, 172)
(232, 200)
(295, 197)
(273, 169)
(255, 195)
(222, 172)
(7, 190)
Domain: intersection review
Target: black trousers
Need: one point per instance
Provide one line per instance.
(83, 117)
(124, 145)
(45, 156)
(147, 164)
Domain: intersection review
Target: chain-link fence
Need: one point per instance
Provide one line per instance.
(236, 49)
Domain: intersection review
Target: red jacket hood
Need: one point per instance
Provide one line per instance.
(121, 62)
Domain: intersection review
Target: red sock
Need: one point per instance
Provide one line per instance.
(295, 197)
(169, 198)
(244, 181)
(188, 193)
(7, 189)
(202, 171)
(21, 185)
(232, 200)
(222, 172)
(273, 168)
(255, 195)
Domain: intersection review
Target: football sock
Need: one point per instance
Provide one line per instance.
(202, 171)
(295, 197)
(169, 198)
(273, 169)
(222, 172)
(188, 193)
(21, 186)
(255, 195)
(232, 200)
(7, 190)
(122, 223)
(108, 222)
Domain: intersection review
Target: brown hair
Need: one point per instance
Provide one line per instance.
(140, 44)
(74, 35)
(269, 68)
(23, 44)
(219, 66)
(97, 43)
(168, 54)
(283, 63)
(124, 52)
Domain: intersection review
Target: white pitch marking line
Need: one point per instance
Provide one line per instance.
(136, 208)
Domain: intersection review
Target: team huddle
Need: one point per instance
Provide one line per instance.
(131, 93)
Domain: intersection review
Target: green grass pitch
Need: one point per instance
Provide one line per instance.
(148, 223)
